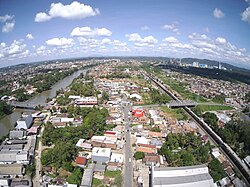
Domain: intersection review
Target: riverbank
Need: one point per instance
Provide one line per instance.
(7, 123)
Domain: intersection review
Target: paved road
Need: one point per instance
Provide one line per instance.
(36, 180)
(128, 172)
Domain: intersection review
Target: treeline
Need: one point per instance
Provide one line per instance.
(5, 109)
(226, 75)
(234, 133)
(184, 150)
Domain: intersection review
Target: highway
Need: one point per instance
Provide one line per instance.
(228, 152)
(128, 169)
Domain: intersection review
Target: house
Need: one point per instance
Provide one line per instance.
(17, 134)
(150, 159)
(135, 95)
(138, 112)
(81, 161)
(5, 182)
(116, 157)
(90, 101)
(11, 170)
(101, 154)
(24, 122)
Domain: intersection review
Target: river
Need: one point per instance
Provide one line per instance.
(8, 122)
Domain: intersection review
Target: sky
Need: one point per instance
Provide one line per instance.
(32, 31)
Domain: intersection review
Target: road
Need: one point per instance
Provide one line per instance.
(128, 169)
(36, 180)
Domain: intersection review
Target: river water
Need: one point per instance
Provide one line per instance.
(9, 121)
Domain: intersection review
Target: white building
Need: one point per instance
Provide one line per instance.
(190, 176)
(101, 155)
(24, 122)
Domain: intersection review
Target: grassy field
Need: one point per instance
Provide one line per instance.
(180, 88)
(204, 108)
(178, 113)
(96, 182)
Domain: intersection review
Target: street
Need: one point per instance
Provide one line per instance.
(128, 169)
(36, 180)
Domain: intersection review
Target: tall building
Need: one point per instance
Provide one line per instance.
(219, 66)
(196, 64)
(190, 176)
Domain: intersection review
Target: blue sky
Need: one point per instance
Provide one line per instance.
(41, 30)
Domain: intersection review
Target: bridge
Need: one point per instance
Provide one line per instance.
(24, 105)
(177, 104)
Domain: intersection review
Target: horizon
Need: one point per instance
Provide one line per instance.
(80, 58)
(49, 30)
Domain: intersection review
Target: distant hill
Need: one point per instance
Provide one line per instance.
(213, 63)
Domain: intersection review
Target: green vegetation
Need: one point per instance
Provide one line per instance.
(31, 170)
(96, 182)
(181, 89)
(117, 175)
(158, 97)
(155, 129)
(44, 81)
(5, 109)
(216, 170)
(200, 109)
(247, 97)
(139, 155)
(64, 139)
(21, 95)
(85, 89)
(184, 150)
(235, 132)
(76, 176)
(178, 113)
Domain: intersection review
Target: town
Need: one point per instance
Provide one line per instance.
(115, 126)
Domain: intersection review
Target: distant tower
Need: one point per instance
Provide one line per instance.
(219, 66)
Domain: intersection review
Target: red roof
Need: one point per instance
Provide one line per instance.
(110, 132)
(81, 160)
(146, 145)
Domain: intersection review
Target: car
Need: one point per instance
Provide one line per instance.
(129, 159)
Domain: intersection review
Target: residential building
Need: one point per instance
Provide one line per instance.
(101, 154)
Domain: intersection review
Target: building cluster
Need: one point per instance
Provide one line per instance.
(18, 151)
(211, 88)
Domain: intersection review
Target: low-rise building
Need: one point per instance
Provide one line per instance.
(190, 176)
(24, 122)
(101, 154)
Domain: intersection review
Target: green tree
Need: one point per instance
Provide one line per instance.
(139, 155)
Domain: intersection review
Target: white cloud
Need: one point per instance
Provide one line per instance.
(60, 42)
(42, 17)
(221, 40)
(6, 18)
(75, 10)
(8, 27)
(15, 49)
(145, 28)
(88, 32)
(29, 36)
(140, 42)
(218, 13)
(172, 27)
(245, 16)
(171, 39)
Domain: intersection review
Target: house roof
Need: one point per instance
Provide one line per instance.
(81, 160)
